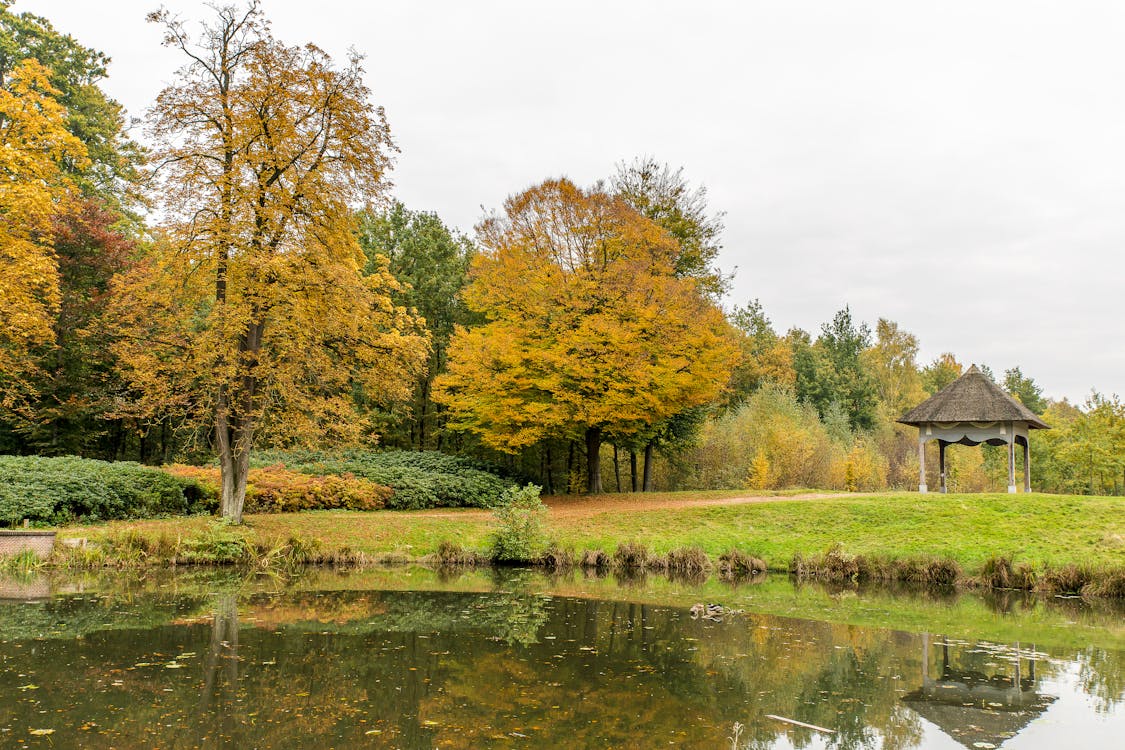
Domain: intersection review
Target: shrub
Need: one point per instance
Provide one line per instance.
(61, 490)
(420, 479)
(450, 554)
(595, 559)
(1068, 580)
(275, 489)
(557, 558)
(1109, 583)
(631, 556)
(688, 560)
(519, 536)
(998, 572)
(739, 564)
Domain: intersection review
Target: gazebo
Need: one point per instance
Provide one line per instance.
(980, 708)
(969, 411)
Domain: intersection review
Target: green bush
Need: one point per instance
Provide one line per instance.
(520, 536)
(420, 479)
(67, 489)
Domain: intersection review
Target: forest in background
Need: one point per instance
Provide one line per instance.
(583, 337)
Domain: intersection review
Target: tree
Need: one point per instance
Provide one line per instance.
(940, 373)
(662, 194)
(832, 371)
(589, 329)
(73, 70)
(253, 312)
(892, 362)
(1025, 389)
(766, 357)
(33, 187)
(77, 382)
(432, 265)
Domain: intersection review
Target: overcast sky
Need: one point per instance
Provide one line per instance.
(958, 167)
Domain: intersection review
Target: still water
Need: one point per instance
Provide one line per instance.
(410, 658)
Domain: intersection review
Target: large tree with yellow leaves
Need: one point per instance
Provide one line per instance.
(35, 150)
(252, 313)
(589, 329)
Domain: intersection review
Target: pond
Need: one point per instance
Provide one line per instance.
(413, 658)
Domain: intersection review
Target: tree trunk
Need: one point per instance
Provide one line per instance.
(647, 487)
(616, 469)
(234, 464)
(550, 488)
(633, 470)
(593, 460)
(570, 469)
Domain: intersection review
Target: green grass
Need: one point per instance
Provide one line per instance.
(1044, 530)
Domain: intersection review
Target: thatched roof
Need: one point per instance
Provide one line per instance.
(972, 398)
(975, 725)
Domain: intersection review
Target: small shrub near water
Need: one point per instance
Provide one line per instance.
(999, 572)
(688, 560)
(1069, 580)
(557, 558)
(595, 559)
(520, 536)
(837, 566)
(1109, 583)
(739, 564)
(631, 556)
(452, 555)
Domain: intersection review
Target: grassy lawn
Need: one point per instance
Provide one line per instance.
(1036, 528)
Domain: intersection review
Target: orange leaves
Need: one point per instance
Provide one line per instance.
(588, 325)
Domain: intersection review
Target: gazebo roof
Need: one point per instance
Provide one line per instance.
(973, 397)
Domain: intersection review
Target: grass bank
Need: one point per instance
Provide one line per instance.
(1045, 532)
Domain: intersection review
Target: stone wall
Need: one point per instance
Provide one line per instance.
(15, 542)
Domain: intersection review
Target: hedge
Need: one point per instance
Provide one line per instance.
(67, 489)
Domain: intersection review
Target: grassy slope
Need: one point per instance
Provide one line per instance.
(1041, 529)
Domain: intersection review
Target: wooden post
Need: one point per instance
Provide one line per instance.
(941, 464)
(1026, 465)
(921, 462)
(1012, 464)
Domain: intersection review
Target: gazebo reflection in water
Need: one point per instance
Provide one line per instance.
(983, 696)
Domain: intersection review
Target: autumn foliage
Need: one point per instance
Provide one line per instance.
(35, 150)
(588, 329)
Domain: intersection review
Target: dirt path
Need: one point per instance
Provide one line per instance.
(569, 506)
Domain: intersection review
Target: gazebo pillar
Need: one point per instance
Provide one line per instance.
(1026, 465)
(1012, 465)
(921, 463)
(941, 464)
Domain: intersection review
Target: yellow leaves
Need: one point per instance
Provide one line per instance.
(588, 325)
(34, 145)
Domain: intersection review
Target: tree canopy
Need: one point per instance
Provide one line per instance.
(253, 310)
(34, 186)
(588, 328)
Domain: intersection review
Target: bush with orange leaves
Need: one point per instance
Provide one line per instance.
(275, 489)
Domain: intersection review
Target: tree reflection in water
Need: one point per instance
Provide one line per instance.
(506, 666)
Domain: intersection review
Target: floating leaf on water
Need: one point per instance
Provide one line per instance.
(374, 731)
(173, 665)
(41, 732)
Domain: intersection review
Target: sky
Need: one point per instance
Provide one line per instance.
(957, 167)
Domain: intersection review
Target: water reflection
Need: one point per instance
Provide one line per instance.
(515, 659)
